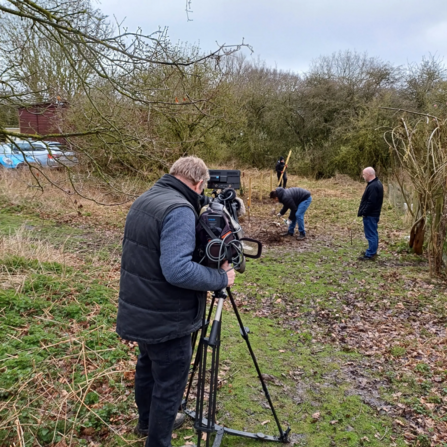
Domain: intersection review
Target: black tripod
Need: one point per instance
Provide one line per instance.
(205, 418)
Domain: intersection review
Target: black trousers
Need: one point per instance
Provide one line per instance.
(284, 179)
(160, 380)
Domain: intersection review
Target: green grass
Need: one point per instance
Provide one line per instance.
(66, 376)
(57, 337)
(308, 379)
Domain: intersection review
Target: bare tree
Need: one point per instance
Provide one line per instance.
(420, 148)
(38, 64)
(90, 62)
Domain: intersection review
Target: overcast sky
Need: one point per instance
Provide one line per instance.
(289, 34)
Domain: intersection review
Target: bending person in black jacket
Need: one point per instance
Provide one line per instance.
(280, 168)
(369, 209)
(297, 200)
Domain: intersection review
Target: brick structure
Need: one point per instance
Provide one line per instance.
(42, 119)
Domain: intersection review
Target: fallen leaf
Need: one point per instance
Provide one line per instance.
(88, 431)
(268, 377)
(265, 422)
(129, 375)
(316, 416)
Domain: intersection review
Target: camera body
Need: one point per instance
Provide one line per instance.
(224, 183)
(219, 234)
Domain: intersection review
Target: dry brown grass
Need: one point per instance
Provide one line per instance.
(340, 186)
(21, 188)
(22, 245)
(55, 196)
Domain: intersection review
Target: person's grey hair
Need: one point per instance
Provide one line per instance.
(191, 168)
(370, 171)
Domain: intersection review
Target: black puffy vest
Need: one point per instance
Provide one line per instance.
(150, 309)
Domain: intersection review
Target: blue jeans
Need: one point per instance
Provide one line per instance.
(299, 216)
(372, 236)
(160, 380)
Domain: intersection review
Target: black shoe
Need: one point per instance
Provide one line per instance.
(367, 258)
(139, 431)
(301, 237)
(363, 255)
(286, 234)
(179, 421)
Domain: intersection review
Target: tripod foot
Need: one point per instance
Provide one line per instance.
(285, 436)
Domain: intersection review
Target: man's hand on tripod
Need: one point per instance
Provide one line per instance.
(231, 274)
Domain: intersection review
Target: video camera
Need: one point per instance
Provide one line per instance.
(220, 235)
(224, 184)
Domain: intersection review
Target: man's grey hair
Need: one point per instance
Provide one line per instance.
(191, 168)
(370, 171)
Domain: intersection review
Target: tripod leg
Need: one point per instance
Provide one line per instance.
(283, 436)
(210, 426)
(203, 330)
(212, 404)
(198, 425)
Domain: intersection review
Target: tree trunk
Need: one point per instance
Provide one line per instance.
(417, 234)
(439, 250)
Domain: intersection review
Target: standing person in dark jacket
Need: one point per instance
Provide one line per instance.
(370, 207)
(297, 200)
(163, 293)
(280, 168)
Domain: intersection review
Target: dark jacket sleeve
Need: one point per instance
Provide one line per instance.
(363, 202)
(177, 249)
(278, 167)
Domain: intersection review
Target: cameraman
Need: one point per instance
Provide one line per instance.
(163, 294)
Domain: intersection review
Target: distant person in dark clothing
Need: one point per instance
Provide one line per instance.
(280, 168)
(369, 209)
(297, 200)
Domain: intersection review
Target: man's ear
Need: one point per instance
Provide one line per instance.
(198, 187)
